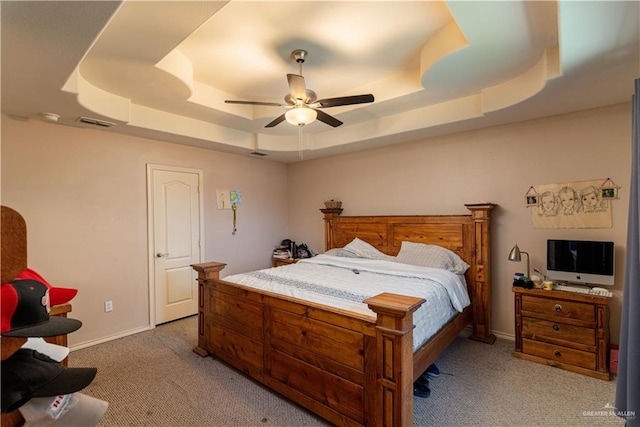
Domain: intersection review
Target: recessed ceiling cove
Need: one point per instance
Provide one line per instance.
(164, 70)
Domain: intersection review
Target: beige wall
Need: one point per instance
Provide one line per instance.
(83, 195)
(499, 164)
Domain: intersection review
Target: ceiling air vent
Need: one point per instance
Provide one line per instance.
(95, 122)
(258, 154)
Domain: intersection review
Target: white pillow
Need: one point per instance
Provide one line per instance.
(341, 252)
(366, 250)
(431, 256)
(332, 252)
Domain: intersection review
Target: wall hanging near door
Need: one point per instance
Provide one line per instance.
(235, 197)
(585, 204)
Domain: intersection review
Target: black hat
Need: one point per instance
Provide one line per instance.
(27, 374)
(25, 311)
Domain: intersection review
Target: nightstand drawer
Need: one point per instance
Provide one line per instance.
(559, 308)
(531, 328)
(559, 353)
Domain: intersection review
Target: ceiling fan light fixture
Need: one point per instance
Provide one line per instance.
(301, 116)
(303, 102)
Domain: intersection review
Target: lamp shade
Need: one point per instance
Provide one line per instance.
(301, 116)
(515, 254)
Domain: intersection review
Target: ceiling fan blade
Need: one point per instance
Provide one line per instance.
(273, 104)
(345, 100)
(326, 118)
(297, 87)
(276, 121)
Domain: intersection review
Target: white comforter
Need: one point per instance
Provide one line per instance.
(345, 282)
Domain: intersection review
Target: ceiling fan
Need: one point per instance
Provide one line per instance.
(304, 105)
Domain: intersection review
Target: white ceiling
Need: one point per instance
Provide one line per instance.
(162, 69)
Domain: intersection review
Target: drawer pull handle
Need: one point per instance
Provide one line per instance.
(556, 327)
(558, 308)
(557, 353)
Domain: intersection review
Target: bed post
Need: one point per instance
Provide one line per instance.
(329, 215)
(480, 215)
(206, 271)
(393, 401)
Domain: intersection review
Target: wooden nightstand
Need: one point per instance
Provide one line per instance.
(277, 262)
(567, 330)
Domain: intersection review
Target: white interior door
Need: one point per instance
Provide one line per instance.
(175, 245)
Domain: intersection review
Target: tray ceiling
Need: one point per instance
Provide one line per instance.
(162, 69)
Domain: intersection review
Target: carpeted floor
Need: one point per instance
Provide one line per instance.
(154, 379)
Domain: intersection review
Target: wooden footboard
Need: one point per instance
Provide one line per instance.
(349, 369)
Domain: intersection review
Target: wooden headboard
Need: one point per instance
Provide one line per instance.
(466, 235)
(13, 238)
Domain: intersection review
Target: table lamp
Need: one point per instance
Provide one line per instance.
(515, 255)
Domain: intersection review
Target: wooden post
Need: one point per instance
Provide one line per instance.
(394, 330)
(480, 213)
(329, 215)
(206, 271)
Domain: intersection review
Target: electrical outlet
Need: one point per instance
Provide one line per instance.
(108, 306)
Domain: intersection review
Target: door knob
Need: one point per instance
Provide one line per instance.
(160, 254)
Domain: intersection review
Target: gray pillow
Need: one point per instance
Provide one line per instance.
(431, 256)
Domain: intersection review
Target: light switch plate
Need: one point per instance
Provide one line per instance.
(222, 197)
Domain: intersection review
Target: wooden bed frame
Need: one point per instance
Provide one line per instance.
(349, 369)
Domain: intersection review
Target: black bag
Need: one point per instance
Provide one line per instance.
(302, 251)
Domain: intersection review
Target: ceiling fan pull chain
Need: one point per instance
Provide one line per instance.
(300, 143)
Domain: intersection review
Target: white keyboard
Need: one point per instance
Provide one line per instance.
(583, 290)
(572, 288)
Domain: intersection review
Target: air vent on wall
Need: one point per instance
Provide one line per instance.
(95, 122)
